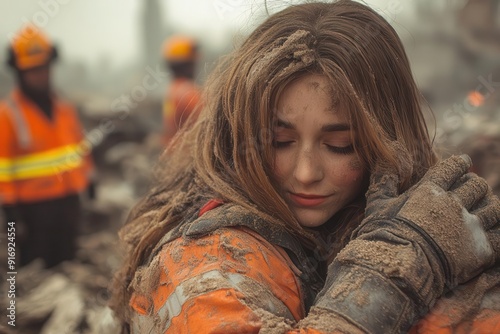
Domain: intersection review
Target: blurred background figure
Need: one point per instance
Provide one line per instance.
(183, 95)
(44, 160)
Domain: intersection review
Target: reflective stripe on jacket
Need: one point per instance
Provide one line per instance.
(233, 280)
(40, 158)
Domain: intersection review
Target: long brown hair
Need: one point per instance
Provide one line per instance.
(227, 153)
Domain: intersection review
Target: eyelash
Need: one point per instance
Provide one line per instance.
(341, 150)
(335, 149)
(281, 144)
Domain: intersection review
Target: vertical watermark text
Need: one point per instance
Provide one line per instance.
(11, 273)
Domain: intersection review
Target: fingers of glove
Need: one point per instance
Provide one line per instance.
(488, 211)
(384, 179)
(470, 189)
(382, 186)
(448, 171)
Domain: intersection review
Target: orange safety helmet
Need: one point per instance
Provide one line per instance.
(30, 48)
(179, 49)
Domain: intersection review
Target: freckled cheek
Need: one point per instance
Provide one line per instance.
(354, 176)
(349, 173)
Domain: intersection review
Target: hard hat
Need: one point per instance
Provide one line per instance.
(30, 48)
(180, 49)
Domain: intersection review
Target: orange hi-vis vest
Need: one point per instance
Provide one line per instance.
(183, 97)
(40, 158)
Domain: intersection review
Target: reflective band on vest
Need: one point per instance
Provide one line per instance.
(22, 131)
(51, 162)
(204, 284)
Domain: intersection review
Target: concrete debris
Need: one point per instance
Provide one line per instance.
(72, 297)
(67, 313)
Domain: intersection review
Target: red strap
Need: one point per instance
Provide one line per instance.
(212, 204)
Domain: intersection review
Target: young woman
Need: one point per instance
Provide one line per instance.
(307, 197)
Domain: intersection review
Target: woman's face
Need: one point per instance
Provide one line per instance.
(314, 156)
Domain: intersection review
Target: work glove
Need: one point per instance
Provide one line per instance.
(451, 209)
(410, 249)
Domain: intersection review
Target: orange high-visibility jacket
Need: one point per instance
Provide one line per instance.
(207, 278)
(40, 159)
(182, 99)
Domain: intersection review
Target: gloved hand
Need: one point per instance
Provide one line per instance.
(410, 248)
(450, 209)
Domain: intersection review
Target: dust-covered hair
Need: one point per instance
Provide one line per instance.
(228, 153)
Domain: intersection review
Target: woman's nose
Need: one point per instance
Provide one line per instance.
(308, 167)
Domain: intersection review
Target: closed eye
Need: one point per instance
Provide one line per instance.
(341, 149)
(282, 144)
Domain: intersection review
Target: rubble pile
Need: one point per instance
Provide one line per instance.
(71, 297)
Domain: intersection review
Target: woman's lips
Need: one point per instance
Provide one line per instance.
(304, 200)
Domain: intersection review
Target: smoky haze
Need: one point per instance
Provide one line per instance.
(108, 46)
(91, 30)
(112, 34)
(103, 37)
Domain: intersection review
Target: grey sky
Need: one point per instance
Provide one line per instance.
(90, 30)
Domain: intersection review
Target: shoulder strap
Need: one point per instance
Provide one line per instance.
(230, 215)
(20, 124)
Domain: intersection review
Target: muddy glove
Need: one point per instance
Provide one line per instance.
(411, 248)
(453, 211)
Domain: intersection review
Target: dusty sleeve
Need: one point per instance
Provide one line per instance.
(226, 282)
(381, 282)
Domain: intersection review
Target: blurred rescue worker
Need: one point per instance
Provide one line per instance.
(44, 162)
(183, 95)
